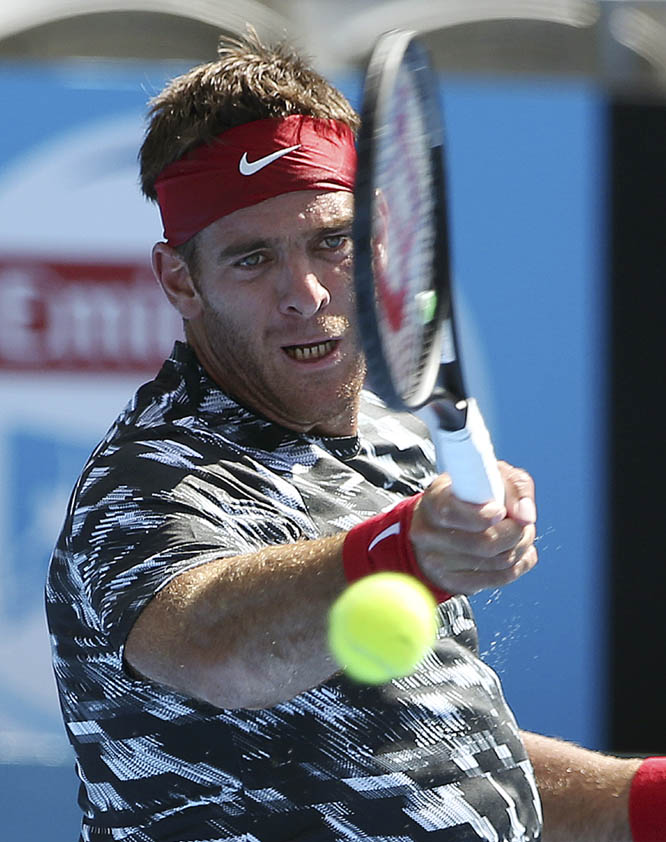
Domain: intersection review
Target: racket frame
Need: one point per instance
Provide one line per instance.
(435, 380)
(462, 442)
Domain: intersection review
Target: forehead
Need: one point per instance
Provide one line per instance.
(289, 214)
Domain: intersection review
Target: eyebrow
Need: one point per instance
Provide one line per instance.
(240, 247)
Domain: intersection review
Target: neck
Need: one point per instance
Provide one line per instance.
(340, 420)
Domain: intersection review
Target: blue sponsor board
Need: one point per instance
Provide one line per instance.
(40, 468)
(42, 471)
(527, 174)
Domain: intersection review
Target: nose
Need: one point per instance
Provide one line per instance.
(301, 291)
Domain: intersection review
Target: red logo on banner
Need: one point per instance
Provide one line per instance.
(71, 316)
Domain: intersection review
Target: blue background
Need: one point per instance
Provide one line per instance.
(526, 169)
(526, 164)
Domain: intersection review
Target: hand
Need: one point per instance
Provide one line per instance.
(465, 547)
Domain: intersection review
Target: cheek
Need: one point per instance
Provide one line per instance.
(238, 325)
(340, 281)
(236, 304)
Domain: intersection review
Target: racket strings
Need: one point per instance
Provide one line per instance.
(404, 233)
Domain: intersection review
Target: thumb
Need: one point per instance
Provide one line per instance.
(519, 487)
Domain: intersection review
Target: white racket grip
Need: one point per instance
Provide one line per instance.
(468, 457)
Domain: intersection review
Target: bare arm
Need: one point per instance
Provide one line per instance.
(585, 794)
(250, 631)
(247, 631)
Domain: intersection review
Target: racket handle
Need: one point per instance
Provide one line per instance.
(467, 455)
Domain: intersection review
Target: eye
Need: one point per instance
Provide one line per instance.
(251, 261)
(334, 242)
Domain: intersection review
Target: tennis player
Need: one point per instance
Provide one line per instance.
(236, 496)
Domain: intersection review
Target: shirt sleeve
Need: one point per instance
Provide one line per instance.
(145, 512)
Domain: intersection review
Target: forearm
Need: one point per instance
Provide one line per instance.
(585, 794)
(250, 631)
(247, 631)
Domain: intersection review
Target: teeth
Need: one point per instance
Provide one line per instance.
(310, 352)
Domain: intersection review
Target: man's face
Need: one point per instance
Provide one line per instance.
(275, 322)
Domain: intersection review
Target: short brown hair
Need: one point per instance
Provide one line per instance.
(249, 81)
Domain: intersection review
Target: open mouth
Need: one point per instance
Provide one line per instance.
(313, 351)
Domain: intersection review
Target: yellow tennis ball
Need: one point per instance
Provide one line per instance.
(382, 626)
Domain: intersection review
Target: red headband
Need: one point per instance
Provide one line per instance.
(250, 163)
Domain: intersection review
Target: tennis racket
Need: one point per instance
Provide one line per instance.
(401, 264)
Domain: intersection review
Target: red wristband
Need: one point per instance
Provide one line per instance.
(647, 801)
(382, 543)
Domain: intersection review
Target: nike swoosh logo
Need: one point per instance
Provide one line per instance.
(251, 167)
(393, 529)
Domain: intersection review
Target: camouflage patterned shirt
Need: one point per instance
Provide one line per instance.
(185, 476)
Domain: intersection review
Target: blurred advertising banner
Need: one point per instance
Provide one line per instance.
(82, 323)
(74, 316)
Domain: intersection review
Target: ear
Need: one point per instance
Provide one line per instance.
(174, 277)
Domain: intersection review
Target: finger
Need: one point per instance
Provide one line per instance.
(435, 560)
(448, 567)
(519, 489)
(525, 547)
(442, 508)
(464, 574)
(501, 538)
(473, 581)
